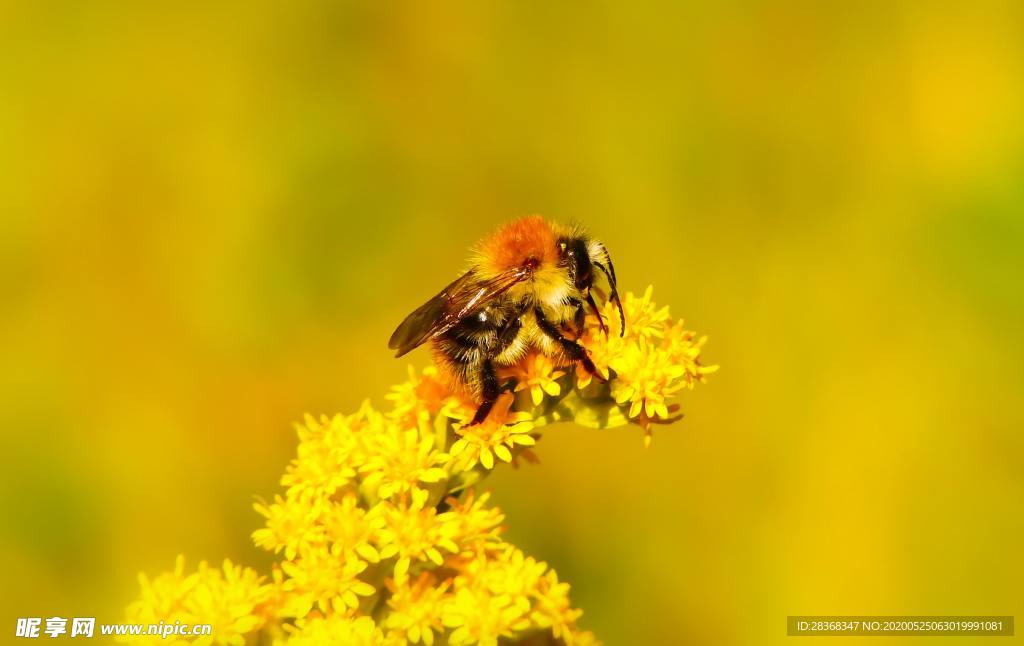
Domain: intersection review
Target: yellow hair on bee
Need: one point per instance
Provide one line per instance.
(529, 240)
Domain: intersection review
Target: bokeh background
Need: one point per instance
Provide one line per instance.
(213, 215)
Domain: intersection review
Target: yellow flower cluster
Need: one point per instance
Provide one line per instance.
(382, 536)
(234, 600)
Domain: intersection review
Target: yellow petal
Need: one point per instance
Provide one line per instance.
(368, 552)
(649, 408)
(502, 452)
(401, 568)
(351, 600)
(433, 474)
(623, 395)
(448, 544)
(634, 410)
(363, 589)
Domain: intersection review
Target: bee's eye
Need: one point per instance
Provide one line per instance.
(562, 247)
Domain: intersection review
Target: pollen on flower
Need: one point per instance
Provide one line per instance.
(422, 394)
(383, 535)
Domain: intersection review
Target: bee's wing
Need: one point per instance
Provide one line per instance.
(464, 296)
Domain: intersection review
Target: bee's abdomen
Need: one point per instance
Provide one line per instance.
(473, 340)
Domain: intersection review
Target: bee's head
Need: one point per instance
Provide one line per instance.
(580, 256)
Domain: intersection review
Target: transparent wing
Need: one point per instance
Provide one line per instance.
(464, 296)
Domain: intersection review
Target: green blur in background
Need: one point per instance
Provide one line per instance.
(212, 217)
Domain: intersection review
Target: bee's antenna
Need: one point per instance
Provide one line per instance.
(615, 291)
(608, 259)
(609, 271)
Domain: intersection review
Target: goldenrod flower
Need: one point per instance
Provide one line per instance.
(684, 348)
(502, 593)
(163, 596)
(292, 524)
(645, 318)
(326, 580)
(538, 374)
(651, 363)
(402, 460)
(229, 598)
(413, 532)
(552, 608)
(475, 523)
(496, 436)
(505, 572)
(323, 462)
(422, 394)
(475, 616)
(352, 531)
(335, 630)
(417, 608)
(384, 538)
(645, 379)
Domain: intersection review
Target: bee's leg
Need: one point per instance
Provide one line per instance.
(490, 387)
(597, 313)
(572, 349)
(509, 386)
(508, 332)
(579, 317)
(489, 391)
(506, 335)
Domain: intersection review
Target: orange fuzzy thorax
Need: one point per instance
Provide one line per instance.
(517, 243)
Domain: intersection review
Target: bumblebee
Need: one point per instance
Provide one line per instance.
(526, 288)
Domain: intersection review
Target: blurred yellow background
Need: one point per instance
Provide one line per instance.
(212, 217)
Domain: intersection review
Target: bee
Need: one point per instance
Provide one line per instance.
(526, 288)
